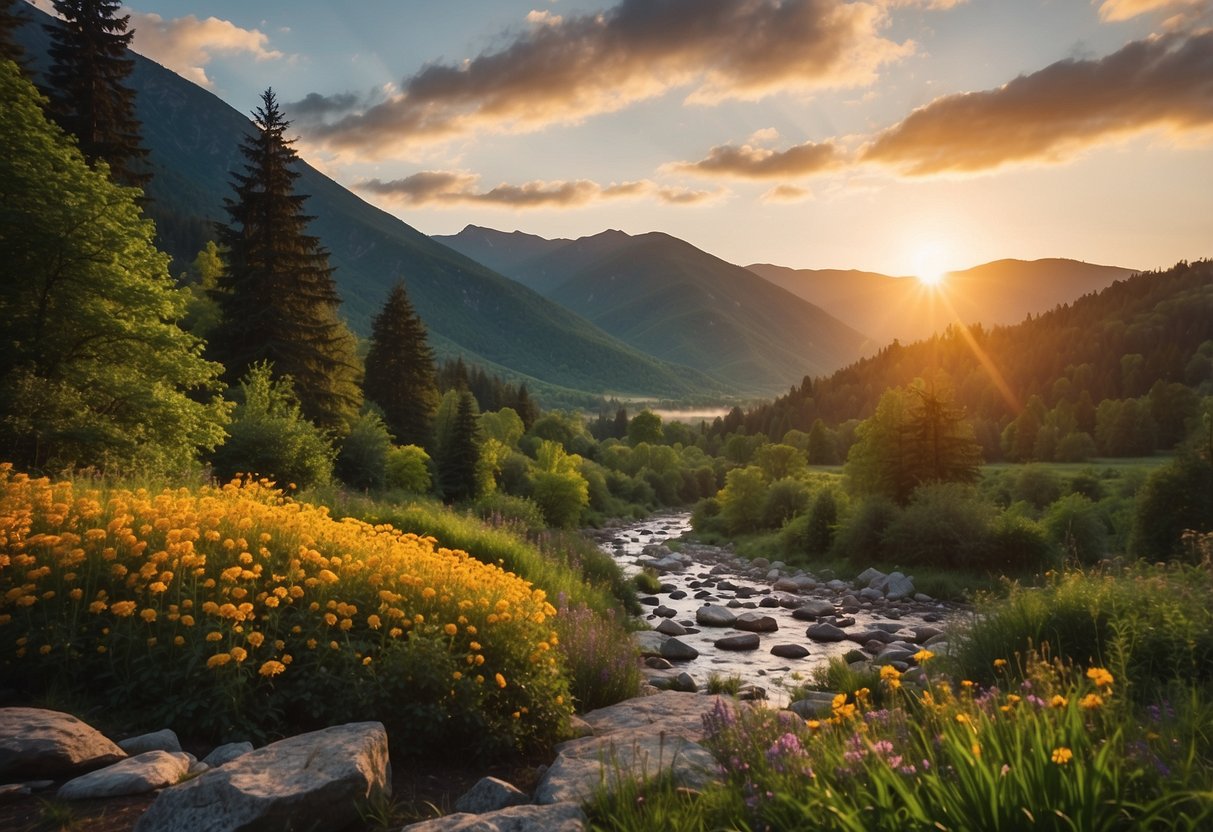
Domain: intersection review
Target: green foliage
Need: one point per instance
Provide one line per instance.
(861, 538)
(1075, 524)
(742, 498)
(780, 461)
(94, 370)
(647, 582)
(269, 436)
(504, 425)
(1036, 485)
(519, 513)
(1174, 498)
(400, 372)
(277, 296)
(822, 523)
(945, 524)
(362, 458)
(784, 500)
(407, 468)
(560, 496)
(1017, 545)
(1075, 447)
(458, 454)
(645, 426)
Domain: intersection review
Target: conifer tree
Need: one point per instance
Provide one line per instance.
(10, 20)
(400, 371)
(276, 296)
(90, 62)
(459, 453)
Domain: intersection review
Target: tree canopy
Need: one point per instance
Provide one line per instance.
(93, 367)
(400, 373)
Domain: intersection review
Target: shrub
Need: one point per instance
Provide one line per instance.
(1075, 524)
(234, 611)
(861, 537)
(1016, 545)
(647, 582)
(362, 460)
(560, 496)
(604, 667)
(1176, 497)
(1036, 485)
(1076, 447)
(499, 509)
(408, 469)
(784, 500)
(945, 524)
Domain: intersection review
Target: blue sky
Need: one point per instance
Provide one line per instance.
(891, 135)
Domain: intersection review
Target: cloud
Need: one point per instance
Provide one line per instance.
(1117, 10)
(187, 45)
(564, 69)
(1163, 82)
(929, 5)
(750, 162)
(450, 188)
(787, 193)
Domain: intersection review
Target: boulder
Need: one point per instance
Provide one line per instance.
(753, 622)
(898, 586)
(786, 585)
(143, 773)
(316, 781)
(665, 612)
(556, 817)
(684, 682)
(226, 753)
(40, 743)
(678, 651)
(648, 642)
(488, 795)
(671, 628)
(744, 641)
(924, 633)
(789, 651)
(869, 577)
(657, 663)
(165, 740)
(814, 609)
(711, 615)
(584, 766)
(825, 632)
(869, 594)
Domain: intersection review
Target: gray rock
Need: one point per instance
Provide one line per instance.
(837, 585)
(14, 791)
(925, 632)
(711, 615)
(745, 641)
(143, 773)
(315, 781)
(678, 651)
(556, 817)
(226, 753)
(753, 622)
(923, 598)
(684, 682)
(898, 586)
(674, 713)
(812, 708)
(869, 594)
(40, 743)
(579, 728)
(853, 656)
(671, 628)
(488, 795)
(815, 609)
(825, 632)
(760, 563)
(869, 577)
(165, 740)
(657, 663)
(648, 642)
(786, 585)
(583, 766)
(751, 693)
(665, 612)
(789, 651)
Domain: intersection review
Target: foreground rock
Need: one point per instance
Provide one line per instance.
(315, 781)
(490, 795)
(141, 774)
(165, 740)
(39, 743)
(557, 817)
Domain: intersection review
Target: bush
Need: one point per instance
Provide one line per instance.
(407, 468)
(1037, 486)
(362, 460)
(945, 524)
(236, 612)
(1017, 545)
(604, 667)
(269, 437)
(861, 537)
(499, 509)
(1075, 524)
(1076, 447)
(560, 496)
(1176, 497)
(784, 500)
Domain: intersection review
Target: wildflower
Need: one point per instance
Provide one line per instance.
(500, 680)
(148, 615)
(373, 622)
(218, 660)
(123, 609)
(271, 668)
(44, 649)
(450, 629)
(179, 641)
(256, 639)
(1058, 701)
(330, 619)
(999, 663)
(97, 607)
(891, 676)
(1090, 702)
(239, 653)
(1062, 755)
(1100, 677)
(923, 656)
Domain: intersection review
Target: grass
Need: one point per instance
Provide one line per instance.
(719, 685)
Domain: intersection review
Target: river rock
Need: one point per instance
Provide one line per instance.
(556, 817)
(896, 586)
(869, 594)
(769, 602)
(665, 612)
(671, 628)
(790, 651)
(711, 615)
(39, 743)
(869, 577)
(165, 740)
(226, 753)
(925, 632)
(760, 563)
(745, 641)
(753, 622)
(135, 775)
(315, 780)
(678, 651)
(490, 794)
(648, 642)
(825, 632)
(657, 663)
(814, 609)
(786, 585)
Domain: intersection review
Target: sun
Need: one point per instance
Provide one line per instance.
(930, 264)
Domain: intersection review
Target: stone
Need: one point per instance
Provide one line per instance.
(760, 563)
(789, 651)
(650, 601)
(786, 585)
(924, 633)
(751, 693)
(14, 791)
(898, 586)
(665, 612)
(674, 713)
(584, 766)
(825, 632)
(164, 740)
(226, 753)
(745, 641)
(853, 656)
(556, 817)
(815, 609)
(769, 602)
(812, 708)
(40, 743)
(657, 663)
(671, 628)
(753, 622)
(579, 728)
(869, 577)
(140, 774)
(711, 615)
(315, 781)
(488, 795)
(923, 598)
(648, 642)
(869, 594)
(678, 595)
(684, 682)
(678, 651)
(849, 604)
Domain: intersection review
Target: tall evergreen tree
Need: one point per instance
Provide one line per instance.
(276, 296)
(90, 62)
(10, 20)
(459, 453)
(400, 371)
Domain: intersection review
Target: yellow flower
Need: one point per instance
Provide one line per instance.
(373, 622)
(450, 629)
(179, 641)
(239, 653)
(1058, 701)
(44, 649)
(330, 619)
(346, 624)
(891, 676)
(123, 608)
(76, 594)
(1100, 677)
(148, 615)
(218, 660)
(1090, 702)
(500, 680)
(923, 656)
(97, 607)
(271, 668)
(1062, 755)
(1000, 663)
(256, 639)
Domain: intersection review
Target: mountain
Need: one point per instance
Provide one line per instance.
(662, 295)
(468, 309)
(887, 308)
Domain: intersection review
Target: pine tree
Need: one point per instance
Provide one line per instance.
(10, 20)
(90, 62)
(459, 453)
(277, 298)
(400, 371)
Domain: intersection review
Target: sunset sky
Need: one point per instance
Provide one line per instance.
(891, 135)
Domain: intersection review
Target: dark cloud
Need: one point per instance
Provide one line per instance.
(461, 188)
(568, 68)
(317, 107)
(1163, 82)
(750, 162)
